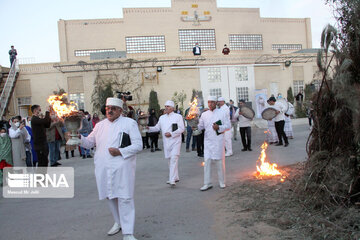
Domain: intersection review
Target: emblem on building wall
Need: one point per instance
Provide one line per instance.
(196, 19)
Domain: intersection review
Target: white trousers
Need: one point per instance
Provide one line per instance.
(123, 211)
(220, 164)
(228, 143)
(173, 168)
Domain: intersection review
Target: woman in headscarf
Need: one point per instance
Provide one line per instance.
(95, 119)
(5, 152)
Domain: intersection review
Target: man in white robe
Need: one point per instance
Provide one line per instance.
(214, 141)
(228, 141)
(115, 163)
(171, 126)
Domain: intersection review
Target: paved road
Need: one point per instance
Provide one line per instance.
(162, 213)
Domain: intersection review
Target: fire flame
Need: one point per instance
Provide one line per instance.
(61, 107)
(194, 110)
(266, 168)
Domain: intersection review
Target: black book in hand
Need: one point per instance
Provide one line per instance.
(218, 123)
(174, 127)
(124, 140)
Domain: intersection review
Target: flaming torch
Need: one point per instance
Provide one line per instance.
(68, 112)
(265, 168)
(193, 117)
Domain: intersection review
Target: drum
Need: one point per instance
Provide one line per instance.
(291, 110)
(269, 113)
(285, 103)
(247, 112)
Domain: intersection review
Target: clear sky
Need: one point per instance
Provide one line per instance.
(31, 25)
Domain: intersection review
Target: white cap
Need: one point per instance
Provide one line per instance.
(212, 98)
(221, 99)
(114, 102)
(170, 103)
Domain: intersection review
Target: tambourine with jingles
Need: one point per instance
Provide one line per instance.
(268, 113)
(247, 112)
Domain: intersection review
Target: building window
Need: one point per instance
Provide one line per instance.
(246, 42)
(214, 75)
(81, 53)
(78, 98)
(286, 46)
(298, 86)
(215, 92)
(242, 93)
(317, 84)
(24, 101)
(146, 44)
(241, 74)
(204, 37)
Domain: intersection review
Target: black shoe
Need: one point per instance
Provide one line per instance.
(244, 149)
(200, 155)
(152, 150)
(249, 149)
(286, 144)
(84, 156)
(278, 144)
(157, 149)
(54, 165)
(58, 164)
(89, 156)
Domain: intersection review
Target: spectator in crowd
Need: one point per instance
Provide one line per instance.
(5, 152)
(226, 50)
(13, 54)
(279, 121)
(85, 131)
(54, 135)
(39, 126)
(18, 135)
(31, 157)
(189, 132)
(196, 50)
(95, 119)
(154, 136)
(299, 97)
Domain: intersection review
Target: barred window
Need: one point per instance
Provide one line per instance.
(146, 44)
(242, 93)
(317, 84)
(298, 86)
(24, 101)
(81, 53)
(204, 37)
(287, 46)
(246, 41)
(78, 98)
(241, 74)
(214, 75)
(215, 92)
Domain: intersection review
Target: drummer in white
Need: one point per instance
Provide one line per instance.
(245, 127)
(279, 121)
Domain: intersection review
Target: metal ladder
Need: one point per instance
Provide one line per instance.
(8, 88)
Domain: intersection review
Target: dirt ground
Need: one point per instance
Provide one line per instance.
(269, 209)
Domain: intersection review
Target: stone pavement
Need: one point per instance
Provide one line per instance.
(162, 213)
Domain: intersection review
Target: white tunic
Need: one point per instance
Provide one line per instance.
(213, 143)
(280, 107)
(172, 145)
(243, 121)
(115, 176)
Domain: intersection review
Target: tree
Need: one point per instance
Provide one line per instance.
(290, 96)
(154, 102)
(179, 98)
